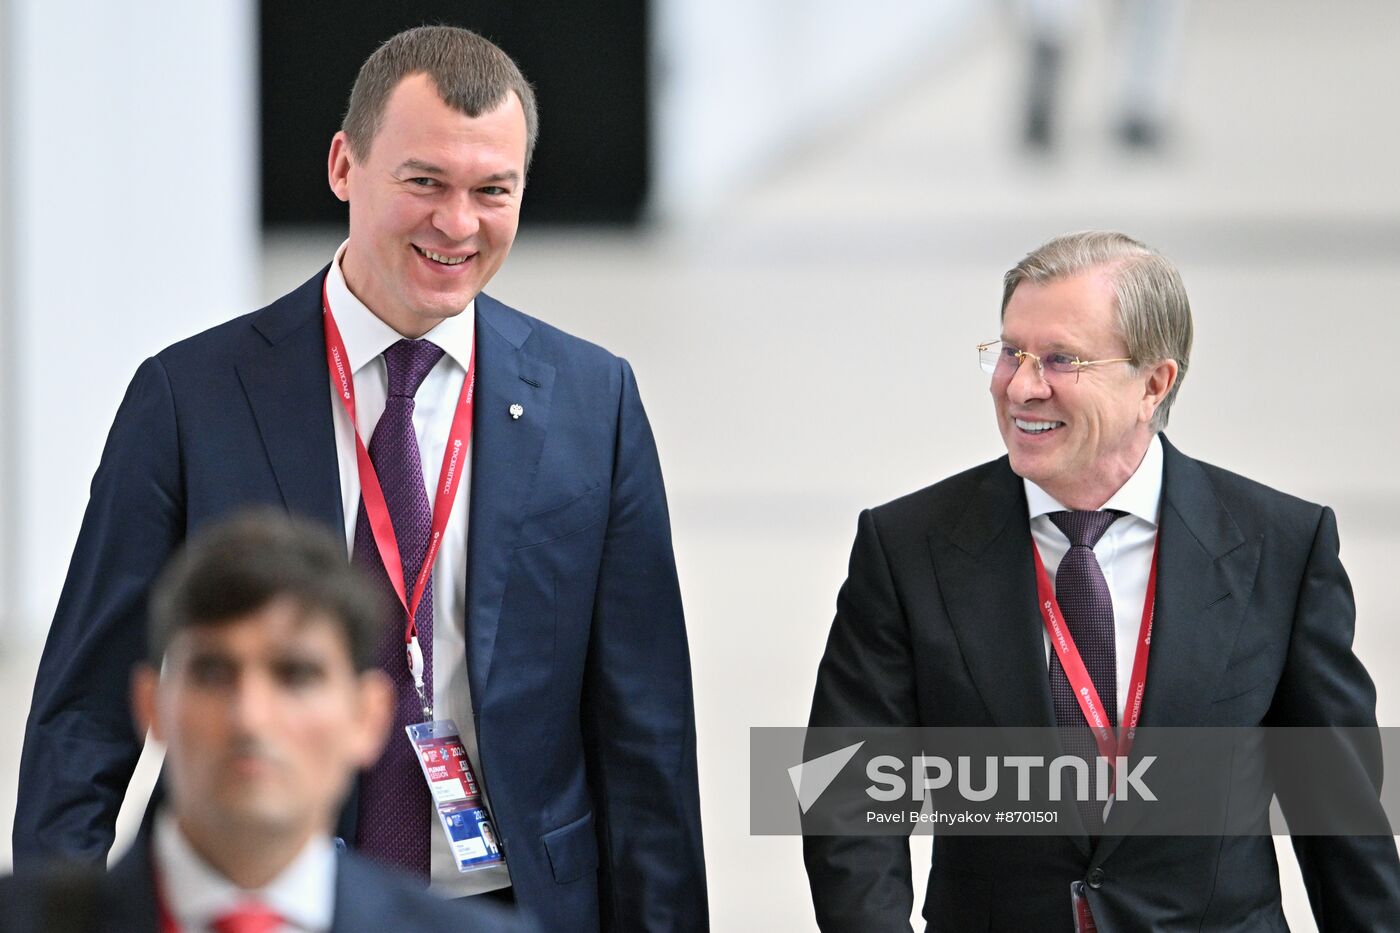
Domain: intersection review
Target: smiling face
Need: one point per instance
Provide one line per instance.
(434, 205)
(265, 721)
(1079, 440)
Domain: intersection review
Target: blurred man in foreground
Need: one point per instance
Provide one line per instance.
(268, 703)
(1250, 623)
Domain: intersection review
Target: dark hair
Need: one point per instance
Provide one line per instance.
(472, 75)
(237, 567)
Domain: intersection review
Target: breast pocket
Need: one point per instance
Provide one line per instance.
(560, 521)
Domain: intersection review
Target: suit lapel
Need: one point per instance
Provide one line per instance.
(360, 899)
(987, 580)
(129, 896)
(288, 390)
(1205, 575)
(505, 454)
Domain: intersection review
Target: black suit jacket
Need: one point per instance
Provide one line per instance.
(80, 899)
(937, 625)
(575, 636)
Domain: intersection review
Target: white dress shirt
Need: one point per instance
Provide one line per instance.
(1124, 553)
(366, 338)
(196, 894)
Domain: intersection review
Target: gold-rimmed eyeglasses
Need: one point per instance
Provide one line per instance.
(999, 358)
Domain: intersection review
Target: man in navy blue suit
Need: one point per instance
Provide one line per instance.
(268, 701)
(540, 609)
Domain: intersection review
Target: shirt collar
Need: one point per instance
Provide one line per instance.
(1140, 496)
(366, 336)
(196, 894)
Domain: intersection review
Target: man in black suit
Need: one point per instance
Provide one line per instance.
(268, 703)
(939, 624)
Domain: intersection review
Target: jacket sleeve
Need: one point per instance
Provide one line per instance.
(638, 712)
(1353, 882)
(866, 678)
(80, 745)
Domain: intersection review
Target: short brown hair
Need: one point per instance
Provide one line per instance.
(472, 76)
(1154, 315)
(238, 567)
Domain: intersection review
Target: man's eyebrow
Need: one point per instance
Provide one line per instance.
(428, 168)
(418, 165)
(210, 656)
(503, 176)
(1053, 346)
(302, 658)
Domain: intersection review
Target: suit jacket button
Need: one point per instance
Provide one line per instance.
(1095, 878)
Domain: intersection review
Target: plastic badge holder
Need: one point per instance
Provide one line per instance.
(1079, 901)
(456, 794)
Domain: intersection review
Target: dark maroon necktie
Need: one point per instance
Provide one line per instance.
(395, 807)
(1087, 607)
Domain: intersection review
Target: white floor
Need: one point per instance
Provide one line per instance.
(805, 350)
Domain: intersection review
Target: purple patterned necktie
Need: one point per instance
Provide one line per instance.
(395, 809)
(1087, 607)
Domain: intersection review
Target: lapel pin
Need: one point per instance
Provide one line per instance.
(516, 411)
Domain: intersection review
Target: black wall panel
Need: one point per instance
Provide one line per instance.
(587, 61)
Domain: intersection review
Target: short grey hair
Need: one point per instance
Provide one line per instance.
(472, 76)
(1154, 314)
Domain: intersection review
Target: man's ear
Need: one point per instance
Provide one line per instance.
(1160, 379)
(145, 680)
(376, 716)
(338, 165)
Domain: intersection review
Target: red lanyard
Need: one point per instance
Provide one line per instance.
(377, 510)
(1084, 691)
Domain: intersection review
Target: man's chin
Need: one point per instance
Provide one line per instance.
(432, 309)
(260, 818)
(256, 805)
(1030, 466)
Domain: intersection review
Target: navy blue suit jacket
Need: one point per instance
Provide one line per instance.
(937, 625)
(79, 899)
(576, 645)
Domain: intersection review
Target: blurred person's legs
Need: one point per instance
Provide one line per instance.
(1145, 38)
(1149, 41)
(1048, 25)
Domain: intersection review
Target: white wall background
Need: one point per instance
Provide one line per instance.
(739, 86)
(8, 488)
(131, 166)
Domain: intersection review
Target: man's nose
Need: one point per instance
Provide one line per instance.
(254, 702)
(1027, 382)
(456, 217)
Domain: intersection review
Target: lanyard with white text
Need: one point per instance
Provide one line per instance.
(377, 510)
(1084, 690)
